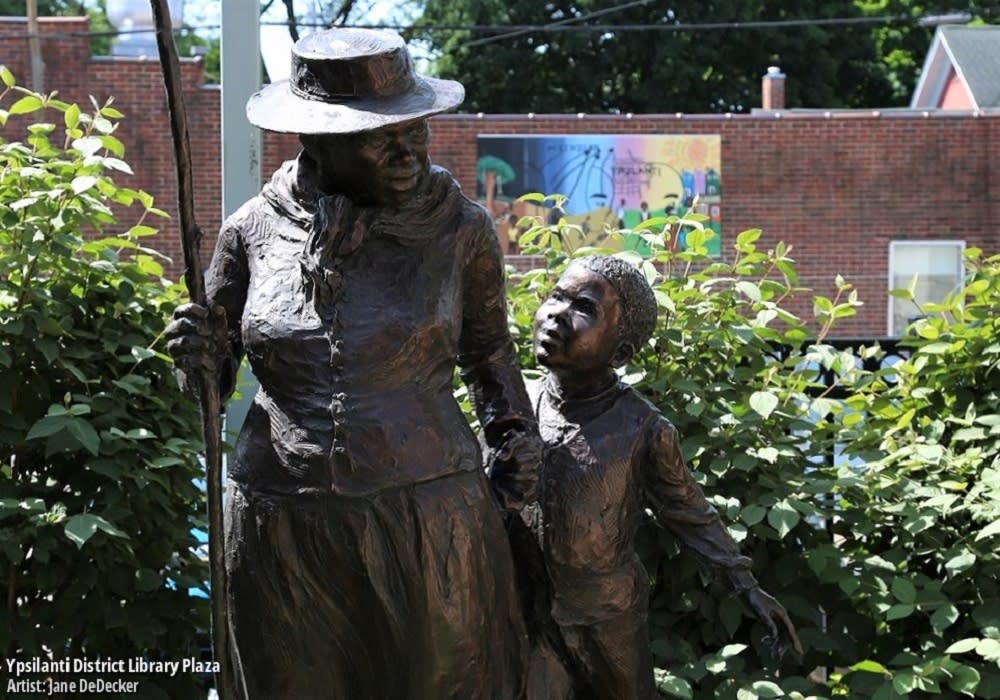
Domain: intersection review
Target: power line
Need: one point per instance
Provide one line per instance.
(510, 30)
(554, 25)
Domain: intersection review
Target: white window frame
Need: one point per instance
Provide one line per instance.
(896, 244)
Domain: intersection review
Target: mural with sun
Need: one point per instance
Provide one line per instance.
(609, 181)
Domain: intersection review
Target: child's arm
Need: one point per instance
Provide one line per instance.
(679, 505)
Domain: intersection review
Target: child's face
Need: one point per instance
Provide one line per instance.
(576, 327)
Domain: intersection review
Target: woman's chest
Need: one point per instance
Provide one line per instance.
(376, 302)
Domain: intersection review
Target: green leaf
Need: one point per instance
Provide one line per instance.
(753, 514)
(674, 686)
(748, 237)
(944, 617)
(989, 649)
(731, 650)
(111, 112)
(935, 348)
(767, 689)
(88, 145)
(768, 454)
(963, 646)
(83, 183)
(141, 231)
(80, 528)
(26, 105)
(28, 505)
(6, 76)
(964, 679)
(534, 197)
(904, 590)
(84, 434)
(961, 562)
(899, 611)
(46, 426)
(763, 403)
(989, 531)
(903, 682)
(966, 434)
(783, 517)
(140, 353)
(869, 666)
(749, 290)
(71, 117)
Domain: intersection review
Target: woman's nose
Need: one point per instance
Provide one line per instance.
(402, 148)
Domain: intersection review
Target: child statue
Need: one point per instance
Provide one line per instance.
(609, 455)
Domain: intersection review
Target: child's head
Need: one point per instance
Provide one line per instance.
(599, 314)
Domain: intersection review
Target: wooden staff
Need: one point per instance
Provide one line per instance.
(211, 408)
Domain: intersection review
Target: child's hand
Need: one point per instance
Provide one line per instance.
(514, 470)
(782, 636)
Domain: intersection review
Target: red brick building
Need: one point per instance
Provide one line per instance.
(854, 192)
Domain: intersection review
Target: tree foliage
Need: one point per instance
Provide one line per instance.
(866, 492)
(841, 64)
(98, 498)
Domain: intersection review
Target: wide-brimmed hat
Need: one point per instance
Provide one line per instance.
(348, 80)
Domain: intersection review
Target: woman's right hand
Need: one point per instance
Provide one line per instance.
(196, 339)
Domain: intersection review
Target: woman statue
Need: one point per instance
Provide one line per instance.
(365, 548)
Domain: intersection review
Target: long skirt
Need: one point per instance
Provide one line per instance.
(405, 594)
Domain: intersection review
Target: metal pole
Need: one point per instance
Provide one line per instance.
(241, 76)
(35, 48)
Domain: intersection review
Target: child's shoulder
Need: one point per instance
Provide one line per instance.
(638, 405)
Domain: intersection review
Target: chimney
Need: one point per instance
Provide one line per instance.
(773, 89)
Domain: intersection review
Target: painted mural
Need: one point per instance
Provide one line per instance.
(608, 181)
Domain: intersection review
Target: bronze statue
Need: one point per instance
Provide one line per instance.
(365, 548)
(609, 454)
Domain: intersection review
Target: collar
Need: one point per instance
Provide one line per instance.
(592, 404)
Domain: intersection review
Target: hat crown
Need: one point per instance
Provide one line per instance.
(340, 65)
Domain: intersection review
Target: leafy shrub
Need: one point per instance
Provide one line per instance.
(865, 494)
(97, 462)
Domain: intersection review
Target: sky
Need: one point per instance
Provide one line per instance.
(205, 16)
(275, 42)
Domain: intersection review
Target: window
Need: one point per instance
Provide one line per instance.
(937, 266)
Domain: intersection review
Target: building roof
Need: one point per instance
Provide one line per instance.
(973, 53)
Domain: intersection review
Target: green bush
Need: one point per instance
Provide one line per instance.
(870, 508)
(97, 462)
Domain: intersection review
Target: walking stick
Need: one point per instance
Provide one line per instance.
(211, 407)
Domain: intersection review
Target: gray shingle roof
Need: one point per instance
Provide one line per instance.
(975, 53)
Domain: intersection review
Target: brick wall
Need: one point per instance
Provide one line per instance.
(836, 186)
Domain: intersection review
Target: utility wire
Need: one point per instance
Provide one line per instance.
(562, 26)
(554, 25)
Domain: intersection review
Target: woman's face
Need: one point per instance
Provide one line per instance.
(383, 167)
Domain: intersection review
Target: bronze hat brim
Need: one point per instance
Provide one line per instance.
(276, 108)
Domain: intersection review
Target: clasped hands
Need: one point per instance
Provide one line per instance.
(514, 468)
